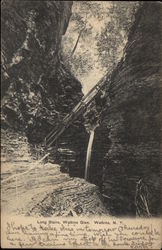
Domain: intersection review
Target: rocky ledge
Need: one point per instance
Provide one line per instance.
(31, 187)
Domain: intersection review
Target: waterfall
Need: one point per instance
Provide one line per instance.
(88, 158)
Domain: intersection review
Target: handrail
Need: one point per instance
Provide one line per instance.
(77, 110)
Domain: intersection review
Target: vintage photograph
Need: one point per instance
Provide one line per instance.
(80, 109)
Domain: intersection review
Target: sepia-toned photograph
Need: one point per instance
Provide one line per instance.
(80, 124)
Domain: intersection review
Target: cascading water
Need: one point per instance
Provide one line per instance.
(88, 158)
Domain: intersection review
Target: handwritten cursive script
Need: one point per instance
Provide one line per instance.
(86, 233)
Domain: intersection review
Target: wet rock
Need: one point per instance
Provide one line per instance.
(40, 91)
(74, 197)
(35, 82)
(132, 119)
(40, 189)
(74, 139)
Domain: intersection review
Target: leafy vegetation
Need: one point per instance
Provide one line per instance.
(96, 36)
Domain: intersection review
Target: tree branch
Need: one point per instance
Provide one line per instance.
(77, 41)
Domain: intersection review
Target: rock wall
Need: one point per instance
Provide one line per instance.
(37, 89)
(132, 119)
(72, 150)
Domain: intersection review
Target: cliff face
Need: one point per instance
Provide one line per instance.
(132, 119)
(37, 89)
(37, 92)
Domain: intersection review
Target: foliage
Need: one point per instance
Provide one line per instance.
(96, 36)
(79, 60)
(113, 37)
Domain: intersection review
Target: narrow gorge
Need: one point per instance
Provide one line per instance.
(107, 169)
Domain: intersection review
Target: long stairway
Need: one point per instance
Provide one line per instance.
(77, 110)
